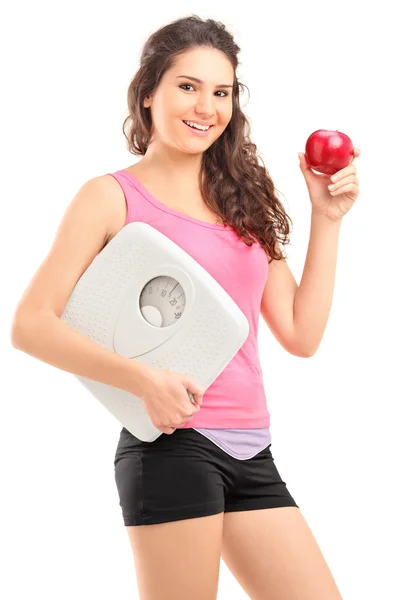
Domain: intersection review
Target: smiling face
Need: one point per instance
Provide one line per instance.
(179, 98)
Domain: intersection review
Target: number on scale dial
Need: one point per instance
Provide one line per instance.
(162, 301)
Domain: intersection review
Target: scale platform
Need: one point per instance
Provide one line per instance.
(145, 298)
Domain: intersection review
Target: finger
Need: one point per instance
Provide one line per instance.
(346, 188)
(193, 388)
(169, 430)
(343, 181)
(196, 398)
(356, 154)
(349, 170)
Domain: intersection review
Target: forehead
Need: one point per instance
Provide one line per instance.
(209, 64)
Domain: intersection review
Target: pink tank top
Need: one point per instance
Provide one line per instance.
(234, 413)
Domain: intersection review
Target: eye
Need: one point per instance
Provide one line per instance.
(190, 85)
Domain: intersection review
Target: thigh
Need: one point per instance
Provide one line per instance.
(178, 560)
(273, 554)
(175, 477)
(257, 484)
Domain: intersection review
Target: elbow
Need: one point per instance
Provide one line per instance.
(307, 352)
(303, 352)
(26, 327)
(303, 348)
(18, 331)
(16, 336)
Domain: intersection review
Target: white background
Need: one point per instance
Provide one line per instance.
(334, 417)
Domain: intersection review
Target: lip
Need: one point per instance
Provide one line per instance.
(199, 122)
(198, 132)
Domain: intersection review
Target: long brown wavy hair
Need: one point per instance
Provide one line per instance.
(232, 182)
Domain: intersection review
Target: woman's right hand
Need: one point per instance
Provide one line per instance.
(165, 398)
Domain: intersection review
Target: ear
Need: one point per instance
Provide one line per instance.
(147, 102)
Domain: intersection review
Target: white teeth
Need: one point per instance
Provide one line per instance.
(196, 126)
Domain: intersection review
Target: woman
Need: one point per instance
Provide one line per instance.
(208, 487)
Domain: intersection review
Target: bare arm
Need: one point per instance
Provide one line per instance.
(48, 338)
(313, 299)
(97, 209)
(297, 314)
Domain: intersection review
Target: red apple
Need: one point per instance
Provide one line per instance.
(328, 151)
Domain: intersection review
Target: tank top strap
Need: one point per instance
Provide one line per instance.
(128, 189)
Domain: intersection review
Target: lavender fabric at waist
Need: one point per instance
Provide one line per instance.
(239, 443)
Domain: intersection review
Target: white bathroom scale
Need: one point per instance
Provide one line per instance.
(145, 298)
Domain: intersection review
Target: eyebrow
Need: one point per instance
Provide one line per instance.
(222, 85)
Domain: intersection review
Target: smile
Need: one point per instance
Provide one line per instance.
(200, 132)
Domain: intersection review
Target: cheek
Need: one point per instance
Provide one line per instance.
(226, 113)
(177, 104)
(166, 115)
(171, 104)
(225, 119)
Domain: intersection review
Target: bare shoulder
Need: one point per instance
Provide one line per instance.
(94, 215)
(111, 193)
(102, 197)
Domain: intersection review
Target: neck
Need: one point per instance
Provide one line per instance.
(168, 165)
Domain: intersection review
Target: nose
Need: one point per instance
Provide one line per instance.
(205, 106)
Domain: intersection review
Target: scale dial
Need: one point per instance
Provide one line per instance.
(162, 301)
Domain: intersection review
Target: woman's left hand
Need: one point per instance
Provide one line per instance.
(337, 201)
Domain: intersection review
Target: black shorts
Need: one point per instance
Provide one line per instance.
(185, 475)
